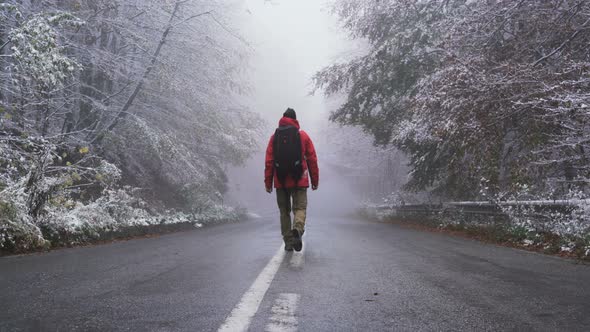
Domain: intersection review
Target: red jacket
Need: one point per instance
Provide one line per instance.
(310, 161)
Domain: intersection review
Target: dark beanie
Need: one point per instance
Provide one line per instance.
(290, 113)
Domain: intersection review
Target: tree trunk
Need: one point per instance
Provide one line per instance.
(38, 193)
(123, 112)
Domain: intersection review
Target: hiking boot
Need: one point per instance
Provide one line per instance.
(297, 243)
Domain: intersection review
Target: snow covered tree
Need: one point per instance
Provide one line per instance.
(88, 88)
(472, 89)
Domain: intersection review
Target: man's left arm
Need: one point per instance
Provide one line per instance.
(312, 163)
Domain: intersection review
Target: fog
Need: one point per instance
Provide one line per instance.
(291, 41)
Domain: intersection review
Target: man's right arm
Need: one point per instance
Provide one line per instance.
(269, 166)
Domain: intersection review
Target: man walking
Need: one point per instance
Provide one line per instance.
(290, 161)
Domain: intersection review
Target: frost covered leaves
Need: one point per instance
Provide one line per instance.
(37, 53)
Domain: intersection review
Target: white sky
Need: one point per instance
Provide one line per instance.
(292, 40)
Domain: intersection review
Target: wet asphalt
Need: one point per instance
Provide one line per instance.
(354, 276)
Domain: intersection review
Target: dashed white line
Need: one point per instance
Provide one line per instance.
(241, 316)
(283, 317)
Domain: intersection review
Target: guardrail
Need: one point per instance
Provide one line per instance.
(485, 205)
(545, 203)
(548, 224)
(536, 208)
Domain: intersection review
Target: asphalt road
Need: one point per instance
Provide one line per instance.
(353, 275)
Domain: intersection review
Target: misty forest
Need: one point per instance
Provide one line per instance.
(113, 116)
(119, 113)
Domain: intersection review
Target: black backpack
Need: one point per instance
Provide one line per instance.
(287, 153)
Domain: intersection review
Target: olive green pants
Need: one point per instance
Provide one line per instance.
(299, 207)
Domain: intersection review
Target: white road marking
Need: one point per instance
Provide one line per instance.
(297, 259)
(240, 317)
(283, 317)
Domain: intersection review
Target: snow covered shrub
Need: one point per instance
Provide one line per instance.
(18, 236)
(48, 172)
(535, 219)
(18, 232)
(520, 233)
(114, 210)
